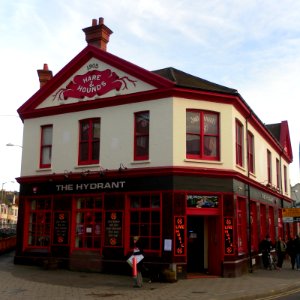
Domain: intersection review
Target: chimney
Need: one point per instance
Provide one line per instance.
(98, 34)
(44, 75)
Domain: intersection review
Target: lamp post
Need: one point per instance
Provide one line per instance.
(2, 190)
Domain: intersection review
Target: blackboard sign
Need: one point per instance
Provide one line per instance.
(228, 236)
(113, 229)
(61, 228)
(179, 236)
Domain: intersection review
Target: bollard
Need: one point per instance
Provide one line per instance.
(134, 267)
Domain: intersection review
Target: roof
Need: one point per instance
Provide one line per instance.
(182, 79)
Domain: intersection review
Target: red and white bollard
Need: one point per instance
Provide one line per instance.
(134, 268)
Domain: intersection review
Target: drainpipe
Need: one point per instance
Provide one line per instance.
(248, 199)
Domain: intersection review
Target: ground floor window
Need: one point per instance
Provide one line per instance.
(39, 222)
(89, 218)
(145, 220)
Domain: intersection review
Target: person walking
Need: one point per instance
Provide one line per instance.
(291, 251)
(265, 248)
(280, 247)
(297, 249)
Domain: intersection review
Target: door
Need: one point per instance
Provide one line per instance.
(195, 244)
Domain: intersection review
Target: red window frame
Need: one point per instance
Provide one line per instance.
(46, 146)
(269, 166)
(145, 220)
(241, 226)
(285, 178)
(141, 135)
(202, 134)
(254, 226)
(89, 141)
(277, 173)
(251, 167)
(89, 218)
(239, 143)
(39, 222)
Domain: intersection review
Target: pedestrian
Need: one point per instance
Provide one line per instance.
(138, 253)
(291, 251)
(297, 248)
(280, 247)
(265, 248)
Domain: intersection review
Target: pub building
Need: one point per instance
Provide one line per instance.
(112, 151)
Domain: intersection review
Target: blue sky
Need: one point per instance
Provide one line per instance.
(250, 45)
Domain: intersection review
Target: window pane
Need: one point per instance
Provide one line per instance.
(210, 124)
(142, 123)
(210, 146)
(193, 144)
(84, 151)
(142, 145)
(95, 150)
(192, 122)
(96, 129)
(84, 130)
(47, 135)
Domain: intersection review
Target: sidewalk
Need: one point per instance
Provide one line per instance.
(34, 283)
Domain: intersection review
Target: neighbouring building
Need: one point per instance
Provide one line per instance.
(112, 151)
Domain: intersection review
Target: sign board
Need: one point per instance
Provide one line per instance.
(61, 228)
(179, 235)
(228, 236)
(288, 219)
(113, 228)
(291, 212)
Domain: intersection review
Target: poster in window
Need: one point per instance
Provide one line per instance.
(179, 235)
(61, 228)
(113, 229)
(228, 236)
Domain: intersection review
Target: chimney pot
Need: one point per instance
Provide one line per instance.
(98, 34)
(44, 75)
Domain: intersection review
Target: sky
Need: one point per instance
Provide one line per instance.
(250, 45)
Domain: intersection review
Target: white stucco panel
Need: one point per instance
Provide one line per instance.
(95, 80)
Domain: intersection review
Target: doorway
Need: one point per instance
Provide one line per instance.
(203, 245)
(196, 242)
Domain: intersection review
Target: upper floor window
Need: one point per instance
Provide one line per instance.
(251, 152)
(277, 173)
(239, 144)
(269, 166)
(89, 141)
(141, 135)
(46, 146)
(202, 135)
(285, 178)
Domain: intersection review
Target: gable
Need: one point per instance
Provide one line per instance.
(95, 79)
(93, 75)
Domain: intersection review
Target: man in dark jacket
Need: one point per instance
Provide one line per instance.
(265, 247)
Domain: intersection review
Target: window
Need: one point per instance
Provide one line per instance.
(145, 220)
(89, 223)
(202, 135)
(89, 141)
(285, 178)
(269, 166)
(239, 144)
(277, 173)
(46, 146)
(141, 135)
(39, 222)
(250, 152)
(241, 226)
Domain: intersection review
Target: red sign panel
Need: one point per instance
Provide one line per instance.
(179, 236)
(93, 83)
(228, 236)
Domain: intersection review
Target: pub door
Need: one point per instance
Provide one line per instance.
(195, 244)
(203, 245)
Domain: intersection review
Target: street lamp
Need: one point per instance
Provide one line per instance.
(2, 191)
